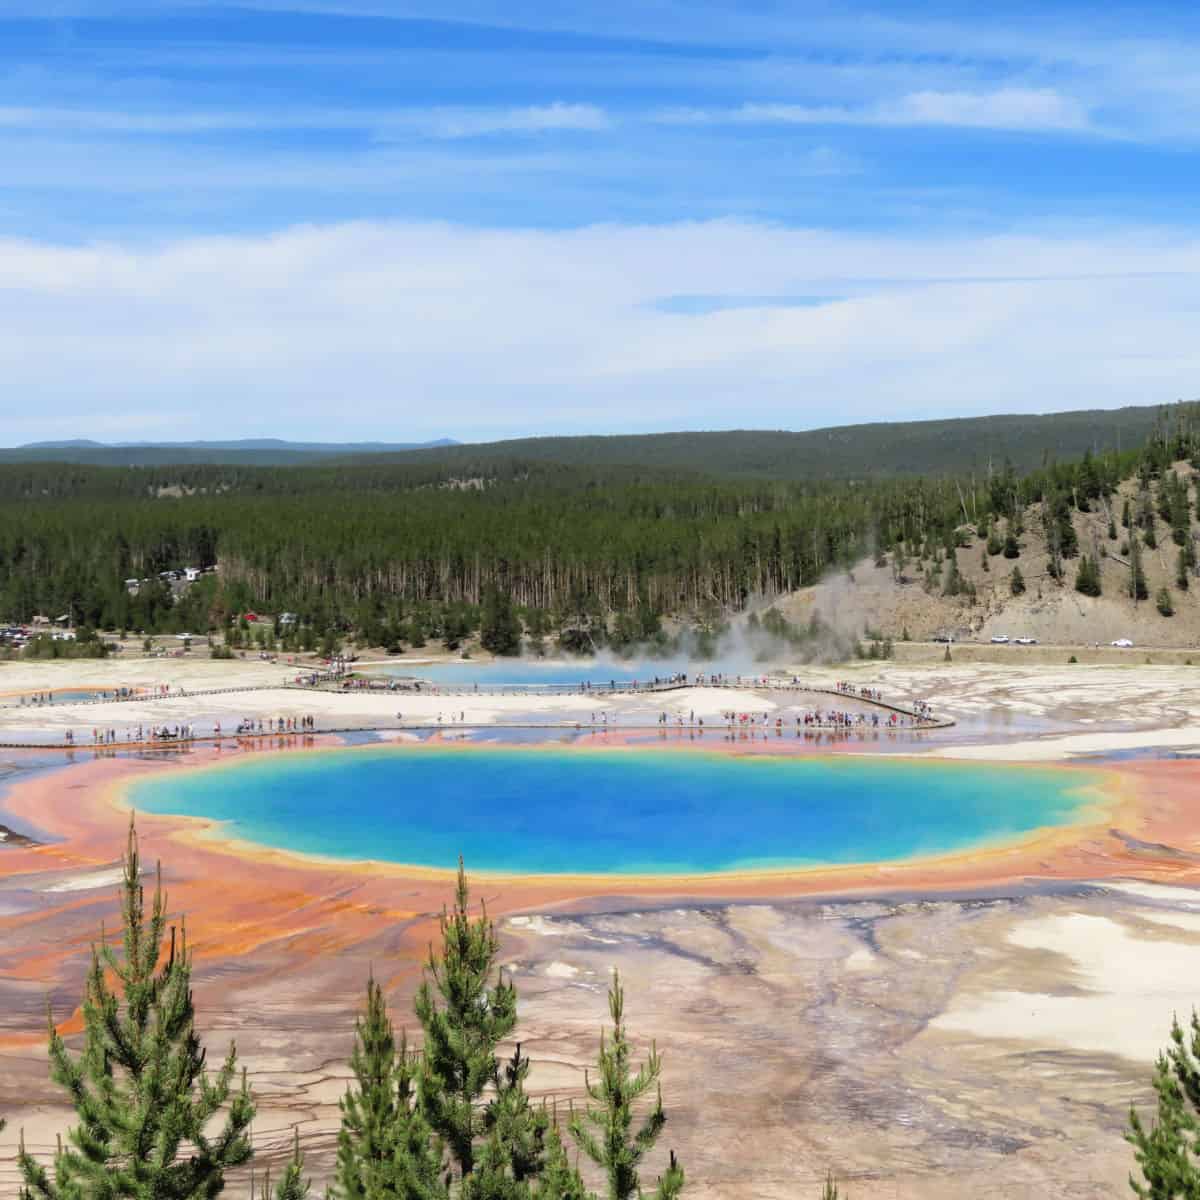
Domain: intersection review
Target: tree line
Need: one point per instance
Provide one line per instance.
(595, 555)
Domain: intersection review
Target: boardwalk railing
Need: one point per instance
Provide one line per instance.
(173, 694)
(921, 718)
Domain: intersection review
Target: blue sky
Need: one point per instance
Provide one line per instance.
(327, 218)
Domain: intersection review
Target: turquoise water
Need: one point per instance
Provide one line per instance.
(66, 695)
(554, 811)
(519, 672)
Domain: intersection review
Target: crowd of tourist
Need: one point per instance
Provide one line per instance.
(135, 735)
(252, 726)
(138, 734)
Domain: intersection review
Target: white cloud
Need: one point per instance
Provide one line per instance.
(1013, 108)
(544, 118)
(391, 331)
(1007, 108)
(73, 120)
(446, 122)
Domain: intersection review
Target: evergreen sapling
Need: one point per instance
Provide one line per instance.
(605, 1133)
(464, 1017)
(145, 1102)
(560, 1180)
(385, 1149)
(293, 1185)
(1166, 1151)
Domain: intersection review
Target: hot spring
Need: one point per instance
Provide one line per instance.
(548, 810)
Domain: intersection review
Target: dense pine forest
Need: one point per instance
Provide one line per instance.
(946, 447)
(404, 552)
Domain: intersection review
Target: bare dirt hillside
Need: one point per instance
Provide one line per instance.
(911, 599)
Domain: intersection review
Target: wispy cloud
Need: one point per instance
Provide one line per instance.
(1006, 108)
(478, 122)
(1040, 109)
(158, 169)
(698, 305)
(440, 123)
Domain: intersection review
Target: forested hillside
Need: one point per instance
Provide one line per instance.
(598, 555)
(966, 446)
(1121, 565)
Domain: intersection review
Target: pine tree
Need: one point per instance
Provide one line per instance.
(1012, 548)
(952, 581)
(1087, 577)
(560, 1180)
(500, 627)
(1137, 577)
(515, 1130)
(1182, 580)
(1167, 1154)
(464, 1016)
(1164, 603)
(293, 1185)
(605, 1133)
(385, 1149)
(1016, 582)
(144, 1100)
(1068, 539)
(512, 1159)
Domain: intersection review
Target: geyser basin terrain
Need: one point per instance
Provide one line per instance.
(583, 811)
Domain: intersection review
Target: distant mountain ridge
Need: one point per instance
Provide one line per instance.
(237, 452)
(954, 446)
(243, 444)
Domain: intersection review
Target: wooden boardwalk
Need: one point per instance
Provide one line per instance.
(921, 721)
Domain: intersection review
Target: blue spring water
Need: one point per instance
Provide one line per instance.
(570, 810)
(519, 672)
(66, 695)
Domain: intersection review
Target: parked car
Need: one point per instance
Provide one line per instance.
(1026, 641)
(1000, 639)
(943, 637)
(1123, 643)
